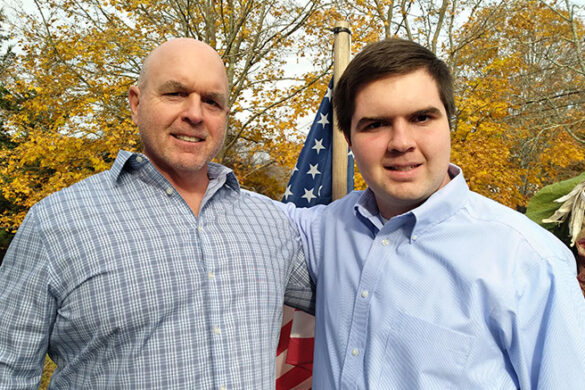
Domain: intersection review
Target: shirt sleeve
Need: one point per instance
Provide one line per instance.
(547, 344)
(307, 221)
(28, 309)
(300, 290)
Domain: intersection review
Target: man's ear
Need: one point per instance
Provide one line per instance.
(134, 100)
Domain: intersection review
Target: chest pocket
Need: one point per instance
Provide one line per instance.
(422, 355)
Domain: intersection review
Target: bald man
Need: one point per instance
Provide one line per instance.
(161, 272)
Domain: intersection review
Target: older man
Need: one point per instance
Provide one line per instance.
(161, 272)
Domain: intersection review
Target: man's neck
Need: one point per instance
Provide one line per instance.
(191, 186)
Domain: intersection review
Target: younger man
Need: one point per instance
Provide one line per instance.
(421, 283)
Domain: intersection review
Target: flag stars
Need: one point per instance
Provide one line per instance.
(309, 195)
(323, 121)
(287, 192)
(328, 94)
(318, 145)
(313, 170)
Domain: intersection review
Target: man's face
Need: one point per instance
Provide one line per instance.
(180, 108)
(400, 140)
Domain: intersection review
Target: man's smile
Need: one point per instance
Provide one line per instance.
(187, 138)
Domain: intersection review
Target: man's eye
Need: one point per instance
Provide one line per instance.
(213, 102)
(422, 117)
(373, 125)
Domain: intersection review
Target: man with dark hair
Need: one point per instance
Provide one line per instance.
(422, 283)
(160, 273)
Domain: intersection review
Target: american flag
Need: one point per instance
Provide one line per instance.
(310, 184)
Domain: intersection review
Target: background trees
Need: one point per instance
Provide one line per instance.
(519, 68)
(79, 58)
(6, 105)
(521, 95)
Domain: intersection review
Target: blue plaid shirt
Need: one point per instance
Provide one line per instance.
(124, 287)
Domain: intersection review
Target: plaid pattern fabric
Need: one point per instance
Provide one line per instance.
(125, 288)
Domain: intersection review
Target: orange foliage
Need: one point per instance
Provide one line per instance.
(79, 58)
(512, 134)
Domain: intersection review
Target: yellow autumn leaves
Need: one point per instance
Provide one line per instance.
(519, 69)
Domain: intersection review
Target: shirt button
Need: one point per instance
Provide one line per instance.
(200, 228)
(385, 242)
(414, 237)
(355, 352)
(210, 275)
(222, 388)
(170, 191)
(139, 159)
(365, 294)
(216, 330)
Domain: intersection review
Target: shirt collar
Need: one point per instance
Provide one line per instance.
(218, 174)
(119, 164)
(437, 208)
(366, 209)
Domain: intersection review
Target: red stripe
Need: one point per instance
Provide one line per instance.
(284, 339)
(300, 351)
(294, 377)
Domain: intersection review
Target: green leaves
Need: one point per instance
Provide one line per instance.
(542, 206)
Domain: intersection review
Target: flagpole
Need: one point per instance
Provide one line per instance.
(341, 53)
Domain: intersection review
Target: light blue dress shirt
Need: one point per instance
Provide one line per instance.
(459, 293)
(127, 289)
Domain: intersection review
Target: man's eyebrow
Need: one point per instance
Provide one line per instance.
(428, 110)
(171, 85)
(431, 110)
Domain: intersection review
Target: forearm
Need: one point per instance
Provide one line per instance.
(27, 310)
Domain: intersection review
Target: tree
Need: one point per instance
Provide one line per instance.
(518, 125)
(6, 59)
(81, 56)
(520, 102)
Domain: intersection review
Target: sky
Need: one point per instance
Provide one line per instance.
(29, 4)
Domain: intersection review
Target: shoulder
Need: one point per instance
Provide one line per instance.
(258, 200)
(508, 225)
(261, 208)
(486, 211)
(323, 215)
(343, 205)
(54, 223)
(78, 193)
